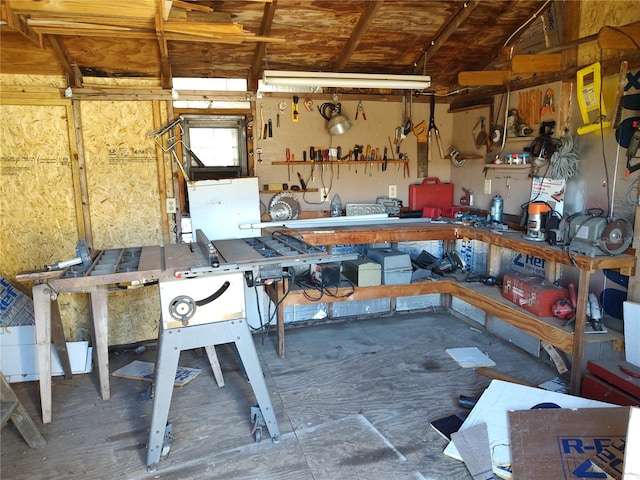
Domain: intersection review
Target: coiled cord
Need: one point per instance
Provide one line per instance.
(565, 160)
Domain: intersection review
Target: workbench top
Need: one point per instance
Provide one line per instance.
(412, 231)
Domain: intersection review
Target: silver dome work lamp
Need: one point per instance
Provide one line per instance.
(337, 123)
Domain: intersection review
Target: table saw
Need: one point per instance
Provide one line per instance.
(202, 287)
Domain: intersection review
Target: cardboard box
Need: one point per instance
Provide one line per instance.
(363, 272)
(396, 265)
(533, 293)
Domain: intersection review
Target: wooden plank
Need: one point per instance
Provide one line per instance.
(80, 171)
(57, 336)
(578, 334)
(162, 180)
(42, 314)
(471, 79)
(626, 37)
(144, 9)
(37, 275)
(536, 63)
(100, 330)
(215, 364)
(190, 6)
(490, 300)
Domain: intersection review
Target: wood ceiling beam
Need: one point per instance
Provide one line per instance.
(166, 79)
(444, 34)
(19, 24)
(361, 28)
(570, 32)
(261, 47)
(74, 76)
(500, 52)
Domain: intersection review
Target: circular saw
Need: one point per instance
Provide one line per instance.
(284, 206)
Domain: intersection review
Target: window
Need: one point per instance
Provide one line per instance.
(216, 146)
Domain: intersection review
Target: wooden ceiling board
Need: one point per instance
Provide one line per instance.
(19, 55)
(145, 9)
(104, 56)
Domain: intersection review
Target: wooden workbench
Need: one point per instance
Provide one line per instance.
(483, 297)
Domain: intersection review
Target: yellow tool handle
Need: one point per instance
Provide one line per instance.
(420, 131)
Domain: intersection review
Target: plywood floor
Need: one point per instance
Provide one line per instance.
(353, 401)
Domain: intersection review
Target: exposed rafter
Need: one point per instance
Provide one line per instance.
(444, 34)
(364, 22)
(261, 48)
(19, 24)
(74, 75)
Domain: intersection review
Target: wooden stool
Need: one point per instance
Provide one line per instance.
(13, 409)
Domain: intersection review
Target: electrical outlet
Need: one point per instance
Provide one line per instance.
(393, 191)
(171, 206)
(324, 194)
(487, 186)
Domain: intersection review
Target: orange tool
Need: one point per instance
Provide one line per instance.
(548, 103)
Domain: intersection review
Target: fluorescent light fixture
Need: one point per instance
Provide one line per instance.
(346, 80)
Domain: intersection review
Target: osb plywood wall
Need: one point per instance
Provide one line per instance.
(38, 222)
(122, 174)
(124, 202)
(594, 15)
(38, 196)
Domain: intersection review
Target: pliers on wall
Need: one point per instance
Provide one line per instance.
(360, 109)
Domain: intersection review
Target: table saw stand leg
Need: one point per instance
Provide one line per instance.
(165, 373)
(171, 343)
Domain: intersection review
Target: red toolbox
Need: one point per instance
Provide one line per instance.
(533, 293)
(430, 193)
(612, 381)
